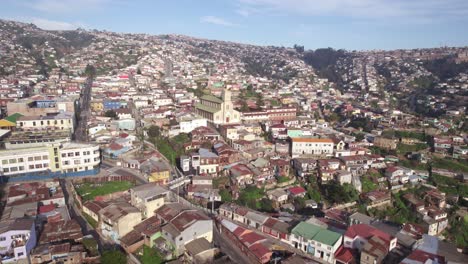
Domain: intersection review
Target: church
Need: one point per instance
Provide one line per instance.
(218, 111)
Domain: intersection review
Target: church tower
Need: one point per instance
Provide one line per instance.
(226, 95)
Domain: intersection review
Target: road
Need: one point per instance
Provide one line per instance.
(85, 99)
(75, 213)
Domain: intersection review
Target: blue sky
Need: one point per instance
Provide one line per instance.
(349, 24)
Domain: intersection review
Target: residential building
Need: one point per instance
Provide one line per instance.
(316, 241)
(148, 198)
(17, 239)
(311, 146)
(118, 219)
(186, 227)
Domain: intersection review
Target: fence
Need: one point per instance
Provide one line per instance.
(47, 176)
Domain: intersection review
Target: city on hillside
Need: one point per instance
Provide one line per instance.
(137, 148)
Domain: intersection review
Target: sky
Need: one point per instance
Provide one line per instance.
(347, 24)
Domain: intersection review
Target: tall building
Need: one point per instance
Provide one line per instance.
(218, 111)
(51, 160)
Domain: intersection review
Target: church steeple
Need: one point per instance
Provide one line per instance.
(226, 95)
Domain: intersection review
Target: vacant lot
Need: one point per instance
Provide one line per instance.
(88, 191)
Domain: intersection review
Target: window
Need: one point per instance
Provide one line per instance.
(77, 154)
(31, 167)
(37, 158)
(6, 170)
(20, 160)
(45, 157)
(38, 166)
(4, 162)
(66, 162)
(21, 168)
(64, 155)
(20, 254)
(12, 161)
(76, 162)
(2, 238)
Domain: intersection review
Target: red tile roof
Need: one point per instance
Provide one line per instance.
(367, 231)
(296, 190)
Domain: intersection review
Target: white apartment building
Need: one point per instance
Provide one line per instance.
(187, 123)
(67, 157)
(79, 157)
(311, 146)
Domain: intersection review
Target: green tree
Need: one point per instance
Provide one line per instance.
(111, 114)
(225, 195)
(90, 71)
(151, 256)
(154, 131)
(113, 257)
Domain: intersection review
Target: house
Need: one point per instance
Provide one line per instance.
(359, 218)
(296, 191)
(278, 196)
(255, 219)
(357, 236)
(276, 228)
(305, 166)
(17, 239)
(148, 198)
(199, 251)
(58, 231)
(396, 174)
(185, 227)
(144, 233)
(374, 250)
(241, 174)
(378, 199)
(92, 208)
(316, 241)
(156, 171)
(118, 219)
(252, 244)
(59, 253)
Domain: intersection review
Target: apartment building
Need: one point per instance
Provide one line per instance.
(67, 157)
(60, 121)
(311, 146)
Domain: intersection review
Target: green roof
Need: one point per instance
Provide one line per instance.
(206, 108)
(212, 98)
(218, 84)
(13, 117)
(316, 233)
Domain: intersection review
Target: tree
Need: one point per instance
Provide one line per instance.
(90, 71)
(111, 114)
(151, 256)
(154, 131)
(299, 48)
(113, 257)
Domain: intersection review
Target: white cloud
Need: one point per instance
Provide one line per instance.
(424, 10)
(48, 24)
(217, 21)
(64, 6)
